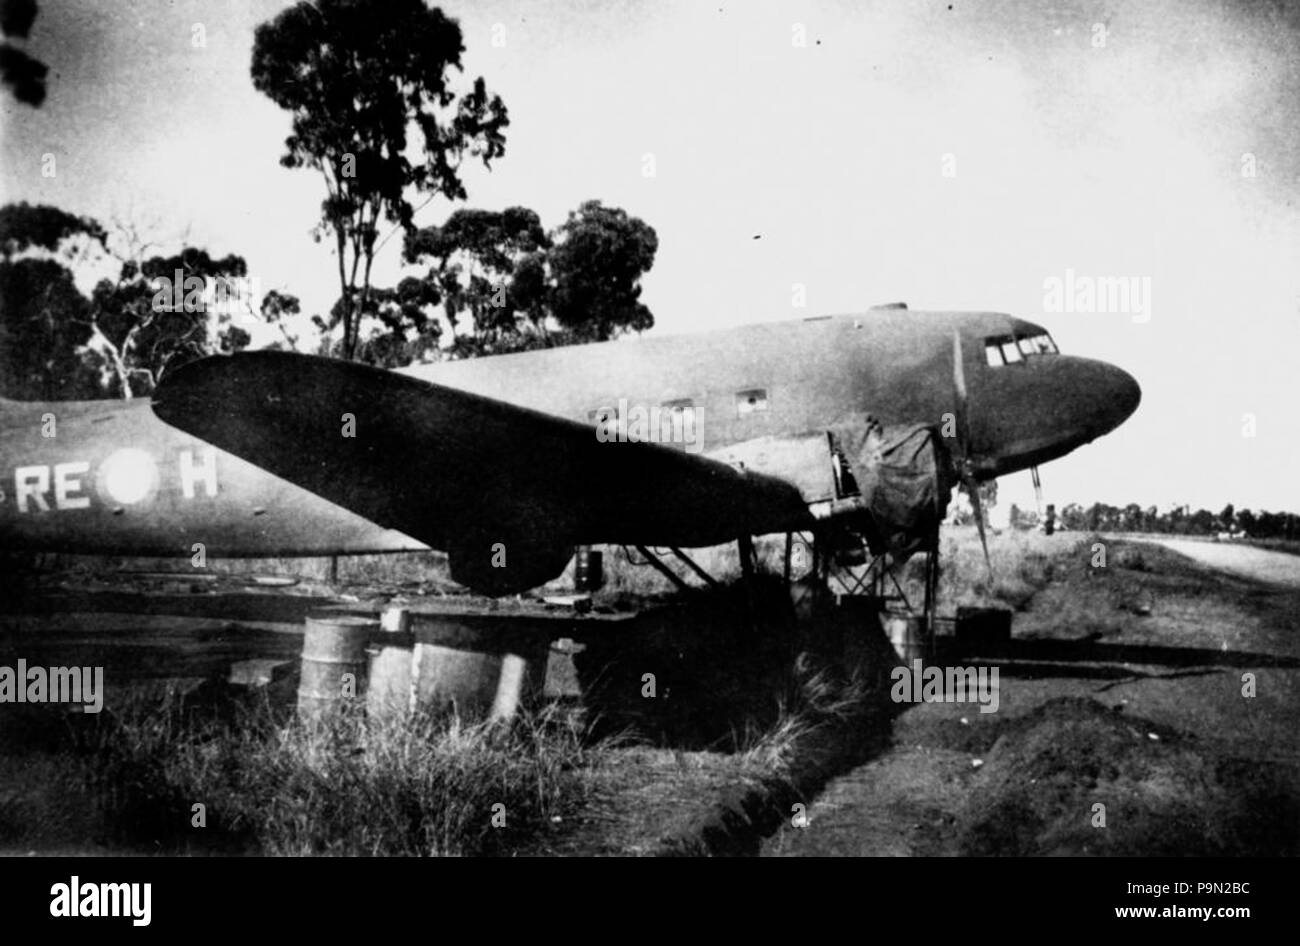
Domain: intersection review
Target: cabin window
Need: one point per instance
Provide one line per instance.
(751, 401)
(679, 422)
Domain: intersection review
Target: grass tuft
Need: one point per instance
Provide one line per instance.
(346, 785)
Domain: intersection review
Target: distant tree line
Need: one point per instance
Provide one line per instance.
(1177, 520)
(494, 282)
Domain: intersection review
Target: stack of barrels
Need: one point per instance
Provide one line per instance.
(473, 669)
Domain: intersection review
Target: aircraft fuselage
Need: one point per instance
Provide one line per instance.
(110, 477)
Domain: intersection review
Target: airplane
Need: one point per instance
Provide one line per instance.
(849, 424)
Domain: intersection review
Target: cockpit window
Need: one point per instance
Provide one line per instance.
(1038, 345)
(1009, 349)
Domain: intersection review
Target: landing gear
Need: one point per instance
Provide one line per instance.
(831, 564)
(869, 581)
(748, 560)
(658, 564)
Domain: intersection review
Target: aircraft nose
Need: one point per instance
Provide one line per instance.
(1049, 406)
(1099, 395)
(1121, 396)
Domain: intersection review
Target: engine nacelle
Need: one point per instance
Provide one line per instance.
(504, 566)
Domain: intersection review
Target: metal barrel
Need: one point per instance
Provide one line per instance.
(333, 662)
(477, 668)
(907, 634)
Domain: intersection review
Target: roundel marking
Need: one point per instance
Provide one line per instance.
(128, 475)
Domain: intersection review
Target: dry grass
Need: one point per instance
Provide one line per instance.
(821, 698)
(349, 785)
(647, 800)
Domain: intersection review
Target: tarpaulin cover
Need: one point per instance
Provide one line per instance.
(905, 477)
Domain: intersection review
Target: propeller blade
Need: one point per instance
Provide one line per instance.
(977, 505)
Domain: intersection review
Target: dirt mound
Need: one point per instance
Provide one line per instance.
(1164, 793)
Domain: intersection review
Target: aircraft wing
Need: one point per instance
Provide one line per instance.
(438, 463)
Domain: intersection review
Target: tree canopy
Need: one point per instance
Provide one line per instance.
(25, 226)
(599, 257)
(44, 322)
(523, 287)
(356, 76)
(22, 73)
(140, 330)
(160, 310)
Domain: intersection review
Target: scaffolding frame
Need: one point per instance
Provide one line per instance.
(875, 579)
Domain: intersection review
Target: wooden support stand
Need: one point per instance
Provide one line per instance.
(475, 668)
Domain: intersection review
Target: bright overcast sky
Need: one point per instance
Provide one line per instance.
(1120, 160)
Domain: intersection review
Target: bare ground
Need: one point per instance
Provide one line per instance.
(1124, 687)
